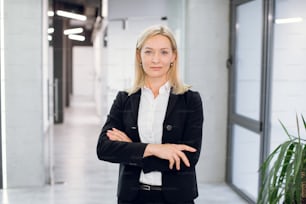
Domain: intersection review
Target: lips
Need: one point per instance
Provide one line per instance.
(156, 68)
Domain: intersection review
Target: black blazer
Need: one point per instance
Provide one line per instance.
(182, 125)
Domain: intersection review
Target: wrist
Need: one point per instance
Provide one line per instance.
(148, 150)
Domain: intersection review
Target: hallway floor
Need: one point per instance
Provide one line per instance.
(80, 178)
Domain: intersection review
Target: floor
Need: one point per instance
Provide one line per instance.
(80, 178)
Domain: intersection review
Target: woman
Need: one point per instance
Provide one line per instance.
(154, 130)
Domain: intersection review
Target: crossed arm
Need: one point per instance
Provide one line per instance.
(116, 146)
(171, 152)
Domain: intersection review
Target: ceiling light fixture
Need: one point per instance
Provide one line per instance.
(76, 37)
(49, 37)
(288, 20)
(71, 15)
(73, 31)
(50, 30)
(50, 13)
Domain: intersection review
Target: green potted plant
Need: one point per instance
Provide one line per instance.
(283, 173)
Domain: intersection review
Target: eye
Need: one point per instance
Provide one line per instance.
(148, 52)
(164, 52)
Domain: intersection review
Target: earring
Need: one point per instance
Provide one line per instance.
(171, 64)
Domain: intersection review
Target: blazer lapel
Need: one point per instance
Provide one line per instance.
(135, 99)
(171, 103)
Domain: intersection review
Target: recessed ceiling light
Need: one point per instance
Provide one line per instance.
(76, 37)
(50, 13)
(73, 31)
(50, 30)
(71, 15)
(288, 20)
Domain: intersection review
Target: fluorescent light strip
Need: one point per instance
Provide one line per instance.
(50, 30)
(71, 15)
(3, 112)
(105, 8)
(76, 37)
(288, 20)
(50, 13)
(73, 31)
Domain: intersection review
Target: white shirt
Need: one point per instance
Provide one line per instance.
(151, 116)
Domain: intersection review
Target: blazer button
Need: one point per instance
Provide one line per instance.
(169, 127)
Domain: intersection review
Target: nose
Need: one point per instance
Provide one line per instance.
(155, 57)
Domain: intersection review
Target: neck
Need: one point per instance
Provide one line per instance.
(155, 84)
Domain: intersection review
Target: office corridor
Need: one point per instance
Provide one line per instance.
(80, 178)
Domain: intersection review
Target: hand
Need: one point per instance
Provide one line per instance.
(117, 135)
(171, 152)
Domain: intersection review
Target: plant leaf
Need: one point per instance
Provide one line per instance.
(298, 127)
(285, 129)
(304, 122)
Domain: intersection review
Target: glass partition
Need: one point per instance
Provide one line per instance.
(246, 153)
(289, 68)
(248, 59)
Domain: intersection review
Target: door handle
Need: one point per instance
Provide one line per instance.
(229, 63)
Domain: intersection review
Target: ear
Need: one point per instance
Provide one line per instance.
(138, 55)
(173, 58)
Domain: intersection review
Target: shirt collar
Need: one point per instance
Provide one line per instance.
(162, 90)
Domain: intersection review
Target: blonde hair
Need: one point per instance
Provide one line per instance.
(173, 74)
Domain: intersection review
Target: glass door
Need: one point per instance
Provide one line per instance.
(245, 126)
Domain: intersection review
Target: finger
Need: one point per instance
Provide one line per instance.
(118, 131)
(171, 163)
(110, 132)
(121, 134)
(186, 148)
(112, 136)
(184, 158)
(177, 162)
(117, 134)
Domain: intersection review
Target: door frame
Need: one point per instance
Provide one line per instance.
(260, 127)
(1, 64)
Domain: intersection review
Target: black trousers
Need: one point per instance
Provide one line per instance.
(150, 197)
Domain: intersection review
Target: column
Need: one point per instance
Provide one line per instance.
(22, 92)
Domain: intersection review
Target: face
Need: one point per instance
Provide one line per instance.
(156, 56)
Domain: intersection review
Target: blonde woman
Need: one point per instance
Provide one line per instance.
(154, 130)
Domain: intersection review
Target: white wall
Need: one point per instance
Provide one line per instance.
(25, 55)
(83, 71)
(136, 8)
(207, 25)
(100, 72)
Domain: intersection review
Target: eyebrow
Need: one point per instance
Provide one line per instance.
(165, 48)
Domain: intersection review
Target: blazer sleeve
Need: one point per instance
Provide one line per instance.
(115, 151)
(192, 136)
